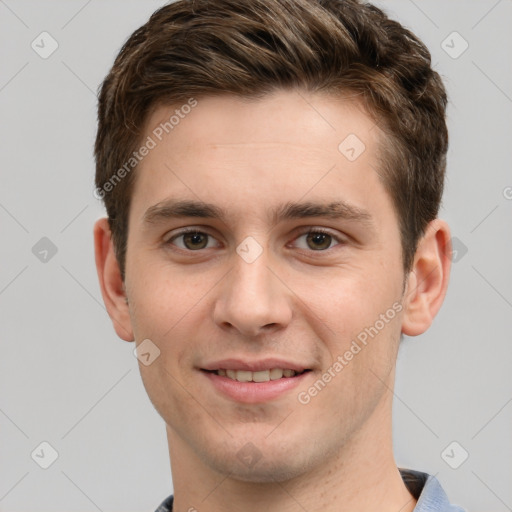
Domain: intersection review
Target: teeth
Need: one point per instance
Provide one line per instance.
(261, 376)
(276, 373)
(243, 376)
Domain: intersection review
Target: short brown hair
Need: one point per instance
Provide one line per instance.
(194, 48)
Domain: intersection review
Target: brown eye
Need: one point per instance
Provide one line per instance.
(192, 240)
(195, 240)
(318, 240)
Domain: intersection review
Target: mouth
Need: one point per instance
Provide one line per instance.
(256, 386)
(271, 374)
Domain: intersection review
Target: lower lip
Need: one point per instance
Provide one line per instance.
(254, 392)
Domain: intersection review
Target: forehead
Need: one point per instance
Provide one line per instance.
(244, 152)
(282, 117)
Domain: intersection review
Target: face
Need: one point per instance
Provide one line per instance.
(261, 238)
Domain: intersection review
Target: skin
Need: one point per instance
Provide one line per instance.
(303, 300)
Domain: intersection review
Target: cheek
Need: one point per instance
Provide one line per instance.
(363, 313)
(353, 300)
(164, 309)
(161, 297)
(169, 307)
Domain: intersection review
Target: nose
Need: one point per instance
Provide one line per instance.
(253, 299)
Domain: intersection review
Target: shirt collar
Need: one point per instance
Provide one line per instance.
(424, 487)
(428, 491)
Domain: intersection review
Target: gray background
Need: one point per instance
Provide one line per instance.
(66, 379)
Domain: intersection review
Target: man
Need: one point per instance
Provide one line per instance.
(272, 172)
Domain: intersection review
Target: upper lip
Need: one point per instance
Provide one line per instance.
(254, 366)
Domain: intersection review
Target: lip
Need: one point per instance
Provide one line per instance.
(254, 366)
(253, 392)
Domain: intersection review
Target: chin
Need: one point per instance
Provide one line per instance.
(262, 468)
(264, 473)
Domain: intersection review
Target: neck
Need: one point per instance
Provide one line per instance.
(362, 475)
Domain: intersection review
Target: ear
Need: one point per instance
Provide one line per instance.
(111, 284)
(428, 280)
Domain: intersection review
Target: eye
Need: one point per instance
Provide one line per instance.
(192, 240)
(317, 240)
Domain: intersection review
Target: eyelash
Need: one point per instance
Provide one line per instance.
(306, 232)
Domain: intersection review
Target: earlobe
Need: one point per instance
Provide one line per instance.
(111, 283)
(428, 280)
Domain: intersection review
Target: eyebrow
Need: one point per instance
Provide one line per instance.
(170, 209)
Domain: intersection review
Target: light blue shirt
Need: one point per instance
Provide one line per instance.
(428, 491)
(424, 487)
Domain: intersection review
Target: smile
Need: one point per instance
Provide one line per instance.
(260, 376)
(253, 387)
